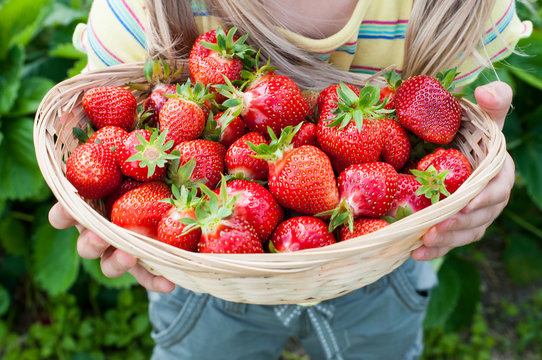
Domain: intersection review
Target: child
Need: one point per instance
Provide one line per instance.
(317, 43)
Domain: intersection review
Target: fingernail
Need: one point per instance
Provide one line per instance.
(165, 286)
(430, 237)
(490, 90)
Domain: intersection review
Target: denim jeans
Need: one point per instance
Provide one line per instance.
(380, 321)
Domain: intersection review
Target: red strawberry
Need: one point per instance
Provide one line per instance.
(273, 101)
(143, 156)
(124, 187)
(221, 231)
(300, 233)
(216, 54)
(256, 205)
(396, 148)
(240, 159)
(224, 130)
(406, 201)
(387, 93)
(305, 136)
(171, 230)
(425, 107)
(155, 101)
(311, 97)
(329, 94)
(361, 227)
(183, 115)
(110, 136)
(441, 175)
(366, 190)
(140, 209)
(110, 106)
(301, 179)
(209, 163)
(349, 131)
(93, 170)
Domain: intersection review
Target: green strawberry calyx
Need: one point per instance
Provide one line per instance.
(432, 183)
(183, 197)
(351, 107)
(393, 79)
(277, 146)
(154, 152)
(197, 93)
(213, 209)
(341, 215)
(182, 175)
(227, 48)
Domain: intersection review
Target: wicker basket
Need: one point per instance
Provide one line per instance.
(288, 278)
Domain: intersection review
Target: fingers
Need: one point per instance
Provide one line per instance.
(498, 189)
(495, 98)
(151, 282)
(90, 245)
(59, 218)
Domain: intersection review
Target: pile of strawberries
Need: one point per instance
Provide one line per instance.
(238, 159)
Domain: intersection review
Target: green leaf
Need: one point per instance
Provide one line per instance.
(529, 164)
(469, 295)
(77, 67)
(4, 300)
(13, 236)
(18, 158)
(31, 93)
(63, 15)
(11, 69)
(55, 258)
(528, 66)
(66, 51)
(443, 298)
(522, 259)
(20, 21)
(92, 267)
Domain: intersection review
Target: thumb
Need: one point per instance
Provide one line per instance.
(495, 98)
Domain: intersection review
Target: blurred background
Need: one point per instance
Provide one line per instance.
(55, 305)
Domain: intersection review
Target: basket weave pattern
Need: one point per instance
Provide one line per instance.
(286, 278)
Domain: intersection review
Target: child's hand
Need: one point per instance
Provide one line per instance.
(471, 222)
(114, 262)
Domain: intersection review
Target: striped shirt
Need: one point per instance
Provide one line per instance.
(115, 33)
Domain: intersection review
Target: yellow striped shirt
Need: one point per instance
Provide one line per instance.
(115, 33)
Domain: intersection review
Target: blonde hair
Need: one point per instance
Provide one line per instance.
(440, 34)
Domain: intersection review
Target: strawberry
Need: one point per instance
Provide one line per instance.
(366, 190)
(240, 159)
(208, 167)
(348, 130)
(154, 102)
(143, 156)
(300, 233)
(110, 106)
(256, 205)
(124, 187)
(183, 113)
(301, 179)
(141, 209)
(217, 54)
(329, 94)
(170, 229)
(396, 147)
(222, 231)
(361, 227)
(406, 200)
(311, 97)
(225, 131)
(110, 136)
(273, 101)
(387, 94)
(93, 170)
(306, 135)
(441, 173)
(425, 106)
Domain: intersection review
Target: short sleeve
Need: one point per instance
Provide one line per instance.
(503, 32)
(114, 33)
